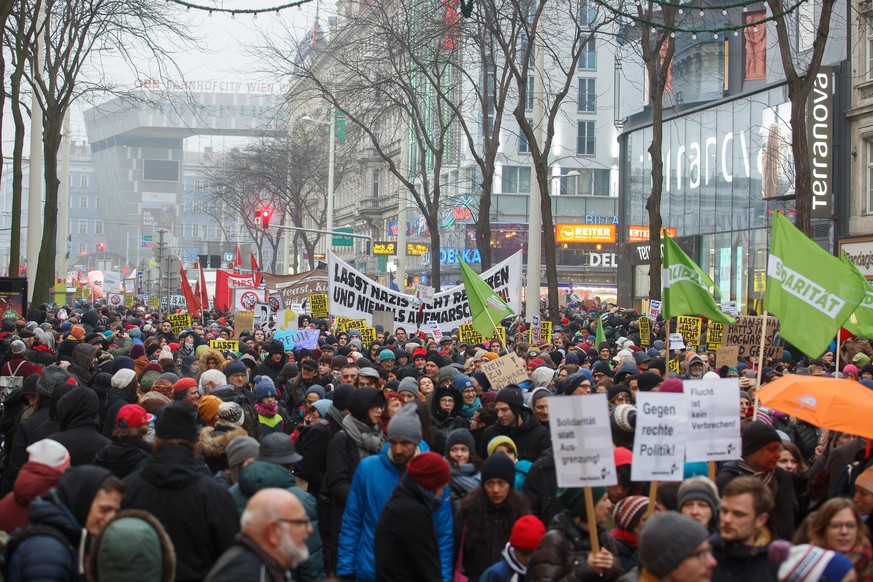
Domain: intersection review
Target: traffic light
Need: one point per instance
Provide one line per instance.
(101, 247)
(265, 214)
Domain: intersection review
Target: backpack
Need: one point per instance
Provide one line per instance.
(23, 533)
(10, 383)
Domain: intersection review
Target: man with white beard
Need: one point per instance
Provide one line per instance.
(272, 542)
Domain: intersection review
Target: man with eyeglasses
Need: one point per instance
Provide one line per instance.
(274, 530)
(674, 548)
(273, 468)
(741, 546)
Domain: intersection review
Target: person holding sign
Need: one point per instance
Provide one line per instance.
(565, 553)
(519, 423)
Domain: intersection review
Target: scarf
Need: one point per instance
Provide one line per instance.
(268, 410)
(368, 439)
(626, 536)
(766, 477)
(187, 350)
(335, 414)
(468, 410)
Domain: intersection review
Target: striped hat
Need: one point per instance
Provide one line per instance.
(629, 510)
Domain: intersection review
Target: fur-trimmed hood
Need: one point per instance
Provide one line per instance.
(206, 355)
(130, 552)
(214, 443)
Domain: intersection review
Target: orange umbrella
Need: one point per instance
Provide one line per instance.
(843, 405)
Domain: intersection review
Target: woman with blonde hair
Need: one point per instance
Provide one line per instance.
(837, 526)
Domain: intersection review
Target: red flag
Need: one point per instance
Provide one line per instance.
(201, 285)
(193, 303)
(256, 270)
(126, 269)
(237, 260)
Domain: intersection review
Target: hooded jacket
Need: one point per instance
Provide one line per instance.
(509, 569)
(530, 437)
(123, 456)
(405, 543)
(129, 553)
(28, 432)
(741, 562)
(372, 485)
(199, 515)
(115, 399)
(214, 441)
(34, 480)
(77, 418)
(563, 554)
(81, 363)
(260, 475)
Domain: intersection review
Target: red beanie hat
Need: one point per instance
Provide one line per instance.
(429, 470)
(673, 385)
(527, 533)
(184, 384)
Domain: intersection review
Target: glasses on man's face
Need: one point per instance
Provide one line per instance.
(299, 522)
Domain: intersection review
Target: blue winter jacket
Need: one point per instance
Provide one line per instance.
(46, 557)
(372, 485)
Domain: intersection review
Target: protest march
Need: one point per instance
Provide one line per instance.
(326, 427)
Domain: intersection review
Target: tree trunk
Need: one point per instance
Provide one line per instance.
(17, 173)
(800, 151)
(653, 204)
(433, 226)
(483, 220)
(548, 238)
(43, 281)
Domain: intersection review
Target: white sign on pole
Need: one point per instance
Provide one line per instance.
(713, 420)
(262, 315)
(435, 330)
(659, 437)
(729, 307)
(425, 294)
(286, 319)
(654, 309)
(582, 441)
(536, 330)
(676, 341)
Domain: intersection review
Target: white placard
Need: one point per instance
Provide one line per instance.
(115, 300)
(262, 315)
(536, 330)
(425, 293)
(729, 307)
(286, 319)
(654, 309)
(582, 441)
(659, 437)
(435, 330)
(713, 419)
(676, 341)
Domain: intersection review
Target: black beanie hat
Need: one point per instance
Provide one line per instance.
(341, 396)
(758, 435)
(647, 381)
(177, 421)
(498, 466)
(511, 396)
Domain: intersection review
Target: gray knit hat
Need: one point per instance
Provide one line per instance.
(51, 377)
(241, 448)
(409, 384)
(667, 539)
(698, 489)
(405, 424)
(447, 373)
(460, 436)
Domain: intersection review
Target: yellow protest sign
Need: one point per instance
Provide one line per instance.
(223, 345)
(318, 305)
(467, 334)
(368, 335)
(690, 328)
(645, 332)
(129, 300)
(674, 365)
(714, 334)
(347, 323)
(545, 332)
(180, 321)
(154, 301)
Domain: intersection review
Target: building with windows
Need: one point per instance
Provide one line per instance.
(728, 163)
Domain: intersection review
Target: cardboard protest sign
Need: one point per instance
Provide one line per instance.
(385, 319)
(714, 420)
(242, 322)
(296, 288)
(318, 305)
(435, 330)
(659, 437)
(223, 345)
(505, 370)
(726, 356)
(714, 334)
(286, 319)
(690, 328)
(654, 309)
(180, 321)
(747, 335)
(645, 332)
(582, 441)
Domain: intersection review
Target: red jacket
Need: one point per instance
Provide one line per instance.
(19, 366)
(34, 480)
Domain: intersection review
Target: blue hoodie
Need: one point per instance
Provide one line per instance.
(373, 483)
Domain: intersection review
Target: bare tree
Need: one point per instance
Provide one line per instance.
(73, 31)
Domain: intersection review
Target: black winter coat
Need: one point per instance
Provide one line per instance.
(563, 554)
(740, 562)
(784, 515)
(115, 399)
(405, 543)
(530, 437)
(541, 489)
(47, 557)
(26, 435)
(246, 562)
(123, 456)
(199, 515)
(312, 444)
(343, 459)
(483, 540)
(77, 417)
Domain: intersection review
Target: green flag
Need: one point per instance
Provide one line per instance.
(861, 320)
(685, 287)
(600, 337)
(486, 306)
(811, 291)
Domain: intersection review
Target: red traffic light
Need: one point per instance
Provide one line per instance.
(265, 214)
(101, 246)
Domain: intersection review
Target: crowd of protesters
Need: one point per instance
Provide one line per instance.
(131, 452)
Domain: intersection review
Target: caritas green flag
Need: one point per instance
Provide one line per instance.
(685, 287)
(861, 321)
(486, 306)
(812, 292)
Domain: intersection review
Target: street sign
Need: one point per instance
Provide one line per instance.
(343, 241)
